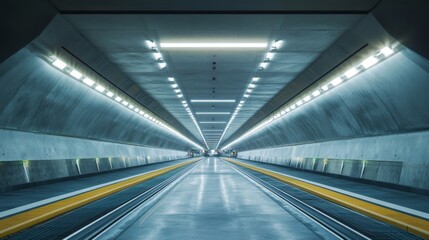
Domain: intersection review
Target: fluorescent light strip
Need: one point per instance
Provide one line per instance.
(62, 66)
(213, 45)
(212, 113)
(59, 64)
(290, 106)
(216, 122)
(163, 65)
(213, 100)
(213, 130)
(76, 74)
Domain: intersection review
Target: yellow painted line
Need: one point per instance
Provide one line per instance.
(38, 215)
(400, 220)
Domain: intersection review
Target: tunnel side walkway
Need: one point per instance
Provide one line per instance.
(410, 203)
(16, 201)
(214, 201)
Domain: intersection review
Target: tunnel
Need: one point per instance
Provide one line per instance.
(186, 119)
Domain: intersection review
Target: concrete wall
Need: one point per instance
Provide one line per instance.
(31, 157)
(398, 158)
(52, 126)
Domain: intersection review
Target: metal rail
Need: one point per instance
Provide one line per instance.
(336, 227)
(96, 227)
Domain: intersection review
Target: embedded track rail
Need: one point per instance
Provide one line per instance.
(340, 221)
(87, 221)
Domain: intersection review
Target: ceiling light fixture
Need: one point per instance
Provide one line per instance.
(212, 100)
(215, 122)
(263, 65)
(59, 64)
(212, 113)
(109, 94)
(162, 65)
(337, 81)
(100, 88)
(76, 74)
(124, 101)
(378, 57)
(88, 81)
(351, 72)
(213, 45)
(369, 62)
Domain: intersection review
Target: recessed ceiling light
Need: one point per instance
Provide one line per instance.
(59, 64)
(276, 44)
(326, 87)
(307, 98)
(109, 94)
(212, 122)
(88, 81)
(263, 65)
(212, 113)
(255, 79)
(171, 79)
(162, 65)
(351, 72)
(150, 44)
(213, 100)
(100, 88)
(367, 63)
(157, 56)
(337, 81)
(269, 56)
(76, 74)
(316, 93)
(386, 51)
(213, 45)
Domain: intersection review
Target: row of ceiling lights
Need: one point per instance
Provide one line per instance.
(309, 95)
(115, 95)
(163, 65)
(268, 57)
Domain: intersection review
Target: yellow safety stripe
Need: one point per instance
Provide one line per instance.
(401, 220)
(38, 215)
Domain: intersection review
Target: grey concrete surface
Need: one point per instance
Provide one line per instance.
(405, 199)
(395, 158)
(389, 98)
(215, 202)
(18, 145)
(33, 157)
(18, 198)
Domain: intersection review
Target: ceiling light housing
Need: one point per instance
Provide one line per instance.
(213, 45)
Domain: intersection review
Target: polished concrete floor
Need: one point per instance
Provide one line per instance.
(214, 201)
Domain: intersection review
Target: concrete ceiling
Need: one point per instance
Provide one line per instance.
(122, 39)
